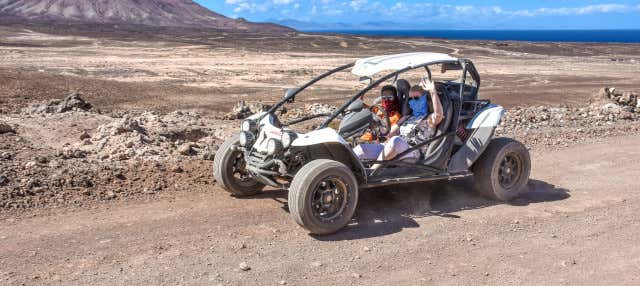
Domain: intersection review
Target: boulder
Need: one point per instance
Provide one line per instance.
(242, 110)
(71, 102)
(187, 148)
(6, 128)
(4, 180)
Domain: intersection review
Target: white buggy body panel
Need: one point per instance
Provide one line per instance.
(483, 125)
(325, 135)
(268, 130)
(489, 116)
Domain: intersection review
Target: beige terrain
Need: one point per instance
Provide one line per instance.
(577, 225)
(122, 193)
(210, 74)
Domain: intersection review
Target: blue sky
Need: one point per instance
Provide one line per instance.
(411, 14)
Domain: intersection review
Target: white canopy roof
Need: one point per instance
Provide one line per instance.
(373, 65)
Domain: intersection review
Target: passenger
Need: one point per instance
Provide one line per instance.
(413, 129)
(391, 104)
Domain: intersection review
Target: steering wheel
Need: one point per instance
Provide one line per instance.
(381, 123)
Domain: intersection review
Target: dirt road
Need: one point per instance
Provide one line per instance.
(577, 225)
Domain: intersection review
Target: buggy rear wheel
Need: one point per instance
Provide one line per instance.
(229, 169)
(502, 171)
(323, 196)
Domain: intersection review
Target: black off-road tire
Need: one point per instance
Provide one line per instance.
(303, 188)
(490, 167)
(223, 170)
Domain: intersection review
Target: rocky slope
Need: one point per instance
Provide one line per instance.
(169, 13)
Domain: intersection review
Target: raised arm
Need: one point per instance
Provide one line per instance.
(438, 114)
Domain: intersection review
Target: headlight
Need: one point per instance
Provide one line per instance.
(249, 126)
(246, 139)
(273, 146)
(287, 138)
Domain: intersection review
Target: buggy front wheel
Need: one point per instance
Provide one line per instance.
(323, 196)
(229, 169)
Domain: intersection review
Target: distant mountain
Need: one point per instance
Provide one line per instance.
(364, 26)
(163, 13)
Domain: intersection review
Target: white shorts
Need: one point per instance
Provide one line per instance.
(394, 146)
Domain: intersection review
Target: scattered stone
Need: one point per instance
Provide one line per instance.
(84, 135)
(4, 180)
(366, 249)
(530, 124)
(72, 154)
(187, 149)
(244, 266)
(111, 195)
(152, 135)
(73, 102)
(356, 275)
(42, 159)
(316, 264)
(30, 164)
(6, 128)
(243, 110)
(570, 262)
(209, 155)
(282, 282)
(6, 156)
(177, 169)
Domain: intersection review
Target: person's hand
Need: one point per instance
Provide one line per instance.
(427, 84)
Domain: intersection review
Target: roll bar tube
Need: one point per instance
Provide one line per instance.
(369, 87)
(360, 94)
(308, 84)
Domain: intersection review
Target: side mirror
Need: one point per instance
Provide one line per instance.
(356, 106)
(288, 93)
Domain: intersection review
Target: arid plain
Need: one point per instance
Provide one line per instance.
(85, 204)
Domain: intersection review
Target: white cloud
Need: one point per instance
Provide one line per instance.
(282, 2)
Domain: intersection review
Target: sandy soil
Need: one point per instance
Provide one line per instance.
(579, 211)
(575, 225)
(209, 74)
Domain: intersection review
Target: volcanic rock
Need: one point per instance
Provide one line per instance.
(6, 128)
(72, 102)
(243, 110)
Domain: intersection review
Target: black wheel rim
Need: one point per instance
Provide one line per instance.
(510, 170)
(329, 199)
(239, 170)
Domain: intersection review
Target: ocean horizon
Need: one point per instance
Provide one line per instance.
(583, 36)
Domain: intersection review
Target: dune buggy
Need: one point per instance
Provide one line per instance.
(323, 175)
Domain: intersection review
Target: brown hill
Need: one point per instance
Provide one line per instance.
(159, 13)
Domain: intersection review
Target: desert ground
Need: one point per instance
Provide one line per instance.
(106, 147)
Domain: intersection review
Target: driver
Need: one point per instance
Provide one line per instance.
(391, 105)
(410, 130)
